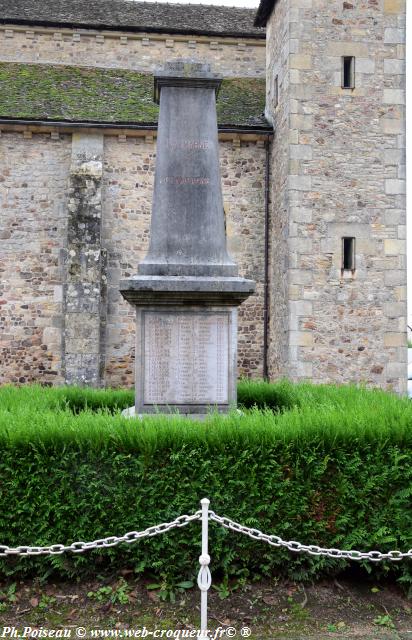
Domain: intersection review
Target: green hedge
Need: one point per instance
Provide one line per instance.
(331, 466)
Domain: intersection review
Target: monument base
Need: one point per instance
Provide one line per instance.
(186, 342)
(185, 359)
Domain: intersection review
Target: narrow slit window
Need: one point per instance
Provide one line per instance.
(276, 92)
(348, 72)
(348, 254)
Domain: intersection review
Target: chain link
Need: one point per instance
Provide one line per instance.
(110, 541)
(312, 549)
(183, 521)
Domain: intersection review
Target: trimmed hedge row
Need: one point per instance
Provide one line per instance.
(331, 466)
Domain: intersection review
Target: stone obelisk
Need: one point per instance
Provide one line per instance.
(187, 289)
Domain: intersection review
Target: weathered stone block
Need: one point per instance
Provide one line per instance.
(294, 292)
(300, 276)
(392, 125)
(301, 338)
(394, 277)
(303, 370)
(393, 66)
(300, 308)
(295, 167)
(301, 214)
(395, 186)
(301, 4)
(394, 96)
(353, 93)
(402, 232)
(400, 294)
(301, 91)
(294, 76)
(299, 61)
(300, 183)
(396, 370)
(82, 325)
(394, 6)
(82, 368)
(300, 245)
(357, 49)
(401, 51)
(58, 293)
(81, 346)
(302, 122)
(339, 230)
(393, 309)
(301, 151)
(394, 36)
(293, 136)
(393, 156)
(394, 247)
(394, 340)
(365, 65)
(52, 337)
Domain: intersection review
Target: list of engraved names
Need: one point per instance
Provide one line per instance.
(186, 358)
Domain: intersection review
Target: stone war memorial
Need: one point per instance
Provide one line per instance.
(187, 288)
(119, 242)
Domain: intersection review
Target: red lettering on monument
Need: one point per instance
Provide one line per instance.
(179, 180)
(188, 145)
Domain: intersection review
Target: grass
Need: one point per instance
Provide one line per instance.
(280, 411)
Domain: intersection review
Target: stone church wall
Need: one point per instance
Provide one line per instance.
(139, 52)
(346, 178)
(72, 226)
(33, 230)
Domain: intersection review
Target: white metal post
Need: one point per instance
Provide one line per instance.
(204, 579)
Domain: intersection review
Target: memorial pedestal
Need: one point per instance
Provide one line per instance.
(186, 342)
(187, 359)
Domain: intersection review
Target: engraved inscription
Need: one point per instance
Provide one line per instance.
(178, 180)
(188, 145)
(186, 358)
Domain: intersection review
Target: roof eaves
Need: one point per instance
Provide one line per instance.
(132, 29)
(264, 129)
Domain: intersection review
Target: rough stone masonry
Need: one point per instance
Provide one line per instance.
(338, 169)
(327, 164)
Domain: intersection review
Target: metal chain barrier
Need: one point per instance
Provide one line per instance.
(312, 549)
(204, 577)
(183, 521)
(111, 541)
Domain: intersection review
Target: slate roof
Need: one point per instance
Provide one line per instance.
(125, 15)
(84, 94)
(263, 12)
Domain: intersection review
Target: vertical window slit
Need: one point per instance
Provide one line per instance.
(348, 254)
(275, 92)
(348, 72)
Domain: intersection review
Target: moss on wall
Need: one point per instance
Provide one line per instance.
(71, 93)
